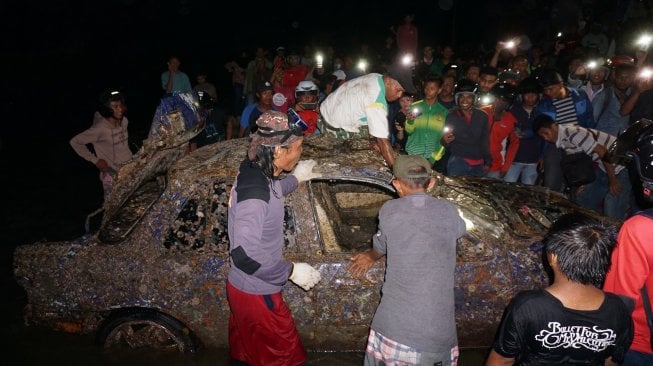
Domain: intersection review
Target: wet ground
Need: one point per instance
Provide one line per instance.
(38, 346)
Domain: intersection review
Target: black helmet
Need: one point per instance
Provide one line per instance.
(529, 85)
(549, 77)
(105, 99)
(636, 145)
(504, 91)
(465, 86)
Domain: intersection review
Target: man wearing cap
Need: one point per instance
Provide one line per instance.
(360, 107)
(566, 106)
(253, 111)
(261, 329)
(418, 234)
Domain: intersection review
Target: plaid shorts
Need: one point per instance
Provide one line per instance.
(384, 351)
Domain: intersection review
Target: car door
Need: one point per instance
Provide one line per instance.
(336, 219)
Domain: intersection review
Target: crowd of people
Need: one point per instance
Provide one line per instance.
(513, 114)
(468, 114)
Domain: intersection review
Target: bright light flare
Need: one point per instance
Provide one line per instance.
(319, 61)
(407, 59)
(362, 64)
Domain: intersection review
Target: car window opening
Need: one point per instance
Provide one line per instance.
(118, 226)
(202, 222)
(347, 213)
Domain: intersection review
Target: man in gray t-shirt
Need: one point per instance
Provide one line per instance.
(418, 234)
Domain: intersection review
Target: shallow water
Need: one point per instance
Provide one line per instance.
(29, 345)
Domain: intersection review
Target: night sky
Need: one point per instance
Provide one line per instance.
(58, 56)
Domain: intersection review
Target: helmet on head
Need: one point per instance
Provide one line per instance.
(465, 86)
(504, 91)
(549, 77)
(104, 102)
(306, 86)
(529, 85)
(621, 59)
(595, 66)
(636, 145)
(509, 76)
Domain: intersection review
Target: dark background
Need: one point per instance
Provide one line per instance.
(57, 57)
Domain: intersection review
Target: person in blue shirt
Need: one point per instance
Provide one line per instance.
(175, 80)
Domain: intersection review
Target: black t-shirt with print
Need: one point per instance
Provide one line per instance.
(538, 330)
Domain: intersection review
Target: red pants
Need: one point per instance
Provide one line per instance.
(261, 330)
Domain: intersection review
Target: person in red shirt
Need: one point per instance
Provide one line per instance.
(285, 79)
(631, 273)
(294, 71)
(306, 106)
(504, 141)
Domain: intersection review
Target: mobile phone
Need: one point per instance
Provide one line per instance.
(310, 106)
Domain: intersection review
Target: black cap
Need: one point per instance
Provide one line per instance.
(549, 77)
(529, 85)
(263, 86)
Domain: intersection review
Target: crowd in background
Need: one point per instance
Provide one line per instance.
(589, 74)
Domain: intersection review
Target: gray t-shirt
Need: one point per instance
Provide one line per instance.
(418, 234)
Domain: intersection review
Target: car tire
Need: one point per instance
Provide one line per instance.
(145, 328)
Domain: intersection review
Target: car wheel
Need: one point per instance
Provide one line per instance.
(145, 328)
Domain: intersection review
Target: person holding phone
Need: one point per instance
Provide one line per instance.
(306, 94)
(425, 121)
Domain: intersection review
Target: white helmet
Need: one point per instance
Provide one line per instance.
(306, 86)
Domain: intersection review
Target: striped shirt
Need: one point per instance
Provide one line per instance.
(574, 139)
(565, 110)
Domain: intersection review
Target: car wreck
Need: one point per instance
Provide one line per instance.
(154, 272)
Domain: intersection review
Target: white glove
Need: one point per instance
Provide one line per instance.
(304, 275)
(304, 170)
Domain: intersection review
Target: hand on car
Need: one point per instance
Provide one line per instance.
(304, 275)
(361, 263)
(304, 170)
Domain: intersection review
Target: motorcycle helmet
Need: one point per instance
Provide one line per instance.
(306, 86)
(105, 99)
(464, 86)
(529, 85)
(504, 91)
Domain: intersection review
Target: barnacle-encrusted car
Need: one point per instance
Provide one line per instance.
(154, 272)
